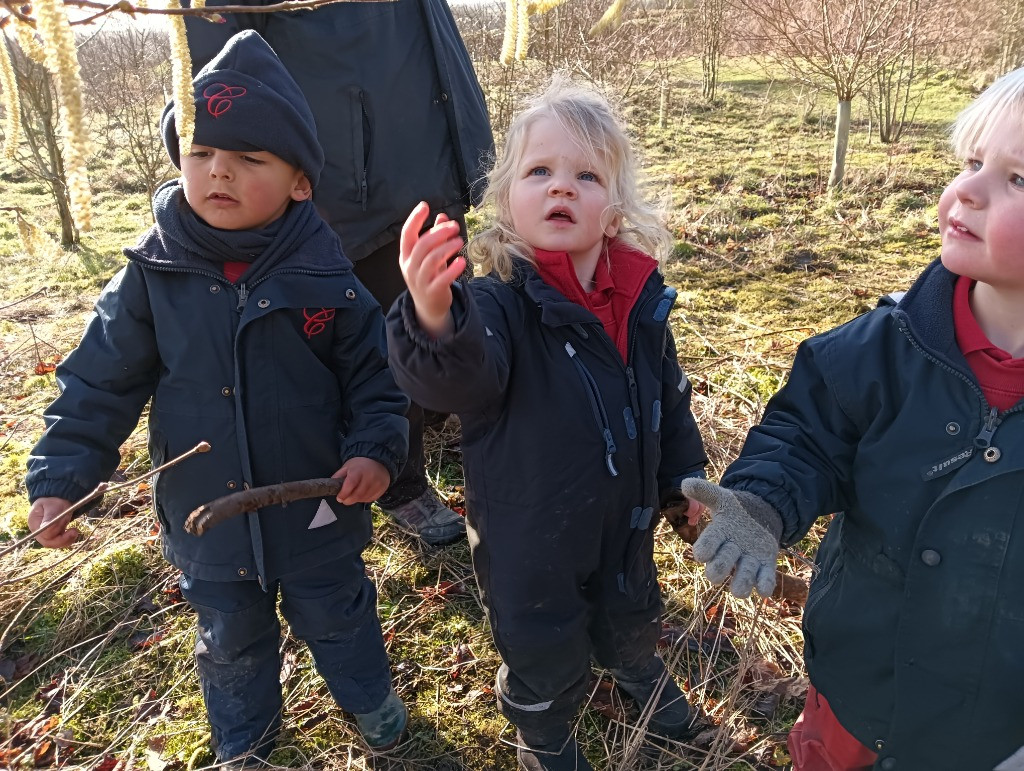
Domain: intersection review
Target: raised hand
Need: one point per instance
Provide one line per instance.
(742, 539)
(428, 274)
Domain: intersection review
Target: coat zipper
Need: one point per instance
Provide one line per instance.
(993, 419)
(597, 408)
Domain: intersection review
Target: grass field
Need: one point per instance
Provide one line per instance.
(95, 643)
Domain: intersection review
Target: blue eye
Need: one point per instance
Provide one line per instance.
(588, 176)
(1017, 180)
(539, 171)
(972, 164)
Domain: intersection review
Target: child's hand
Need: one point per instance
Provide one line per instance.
(57, 535)
(365, 481)
(694, 511)
(424, 263)
(742, 539)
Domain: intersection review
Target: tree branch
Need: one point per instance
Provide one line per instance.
(228, 506)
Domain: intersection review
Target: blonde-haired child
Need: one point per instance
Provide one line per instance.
(576, 421)
(910, 421)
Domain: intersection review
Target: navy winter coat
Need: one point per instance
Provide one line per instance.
(398, 109)
(287, 383)
(558, 435)
(914, 627)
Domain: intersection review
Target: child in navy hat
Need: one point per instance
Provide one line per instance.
(238, 314)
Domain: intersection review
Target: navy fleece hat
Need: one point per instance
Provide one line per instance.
(246, 100)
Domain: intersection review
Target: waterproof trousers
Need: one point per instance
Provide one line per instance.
(331, 607)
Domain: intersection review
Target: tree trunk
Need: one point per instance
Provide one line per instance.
(663, 103)
(842, 140)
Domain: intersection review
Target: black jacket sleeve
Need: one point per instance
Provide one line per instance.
(374, 407)
(105, 383)
(466, 371)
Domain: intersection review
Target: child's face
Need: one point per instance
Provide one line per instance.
(239, 190)
(558, 200)
(981, 212)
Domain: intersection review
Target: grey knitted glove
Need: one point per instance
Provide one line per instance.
(1013, 763)
(742, 539)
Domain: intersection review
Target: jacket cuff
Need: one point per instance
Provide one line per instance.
(671, 493)
(56, 488)
(418, 335)
(378, 452)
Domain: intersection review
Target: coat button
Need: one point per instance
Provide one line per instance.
(350, 294)
(214, 288)
(225, 391)
(243, 572)
(879, 744)
(232, 485)
(930, 557)
(952, 428)
(992, 454)
(888, 764)
(264, 303)
(444, 96)
(245, 485)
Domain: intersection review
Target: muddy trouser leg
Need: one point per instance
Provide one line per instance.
(237, 652)
(545, 673)
(625, 630)
(333, 608)
(540, 722)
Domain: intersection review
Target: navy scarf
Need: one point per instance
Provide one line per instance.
(262, 248)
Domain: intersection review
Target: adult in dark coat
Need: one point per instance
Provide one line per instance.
(402, 119)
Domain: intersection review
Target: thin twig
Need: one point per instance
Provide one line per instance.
(102, 488)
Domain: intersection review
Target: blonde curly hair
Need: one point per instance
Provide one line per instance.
(589, 119)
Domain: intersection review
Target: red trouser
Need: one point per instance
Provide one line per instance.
(819, 743)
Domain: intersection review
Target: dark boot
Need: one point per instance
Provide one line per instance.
(671, 716)
(565, 755)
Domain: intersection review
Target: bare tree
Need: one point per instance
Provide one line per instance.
(125, 72)
(40, 154)
(839, 43)
(711, 14)
(1009, 17)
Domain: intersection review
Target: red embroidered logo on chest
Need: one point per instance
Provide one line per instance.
(316, 320)
(220, 97)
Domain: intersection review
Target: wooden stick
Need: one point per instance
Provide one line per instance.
(215, 512)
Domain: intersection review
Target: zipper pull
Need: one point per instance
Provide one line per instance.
(988, 429)
(243, 297)
(634, 400)
(609, 447)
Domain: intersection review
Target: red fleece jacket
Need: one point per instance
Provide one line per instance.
(618, 281)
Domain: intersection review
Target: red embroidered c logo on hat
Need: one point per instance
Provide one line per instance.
(220, 97)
